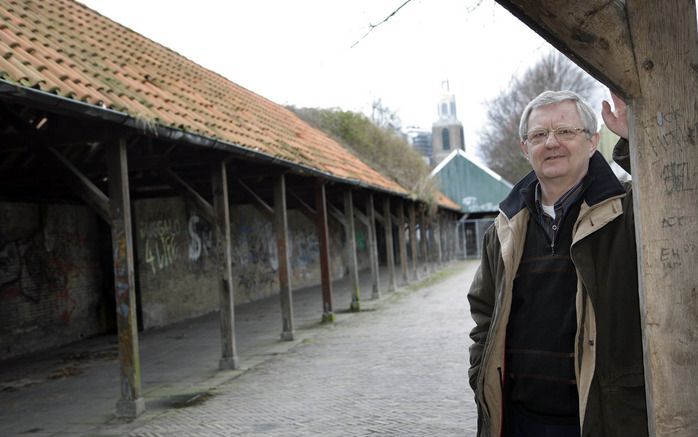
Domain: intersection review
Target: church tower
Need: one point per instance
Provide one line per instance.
(447, 131)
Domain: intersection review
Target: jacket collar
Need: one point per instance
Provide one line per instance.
(603, 184)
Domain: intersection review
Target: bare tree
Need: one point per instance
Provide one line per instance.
(499, 139)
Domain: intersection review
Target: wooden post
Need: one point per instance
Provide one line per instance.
(664, 155)
(324, 240)
(373, 247)
(281, 232)
(423, 239)
(389, 248)
(351, 251)
(413, 241)
(437, 239)
(647, 51)
(221, 223)
(131, 404)
(402, 241)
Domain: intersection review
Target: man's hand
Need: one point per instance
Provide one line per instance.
(616, 121)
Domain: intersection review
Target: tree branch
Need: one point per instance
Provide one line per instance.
(373, 26)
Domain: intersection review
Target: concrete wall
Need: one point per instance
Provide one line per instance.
(175, 259)
(50, 280)
(56, 282)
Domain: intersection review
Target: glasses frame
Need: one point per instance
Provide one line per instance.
(577, 131)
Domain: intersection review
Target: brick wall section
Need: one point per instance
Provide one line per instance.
(50, 280)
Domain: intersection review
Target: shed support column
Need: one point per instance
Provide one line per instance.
(402, 241)
(664, 154)
(423, 238)
(351, 251)
(453, 232)
(389, 248)
(221, 206)
(324, 240)
(437, 239)
(373, 248)
(281, 232)
(131, 404)
(413, 241)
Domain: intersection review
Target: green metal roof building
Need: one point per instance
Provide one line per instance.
(475, 188)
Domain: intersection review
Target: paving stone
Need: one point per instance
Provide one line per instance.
(400, 370)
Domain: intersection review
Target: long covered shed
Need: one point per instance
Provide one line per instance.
(138, 189)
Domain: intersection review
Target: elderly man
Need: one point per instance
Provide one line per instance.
(557, 343)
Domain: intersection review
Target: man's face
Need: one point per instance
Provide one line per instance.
(559, 163)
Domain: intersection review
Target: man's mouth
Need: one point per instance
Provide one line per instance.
(549, 158)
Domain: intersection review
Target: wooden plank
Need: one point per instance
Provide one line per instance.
(363, 218)
(373, 247)
(438, 238)
(201, 205)
(306, 209)
(593, 33)
(389, 247)
(423, 242)
(324, 240)
(221, 222)
(258, 201)
(84, 188)
(413, 240)
(402, 241)
(351, 251)
(281, 232)
(664, 156)
(336, 214)
(131, 404)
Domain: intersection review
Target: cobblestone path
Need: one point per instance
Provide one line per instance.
(398, 370)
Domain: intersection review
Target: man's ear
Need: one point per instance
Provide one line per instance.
(594, 143)
(524, 150)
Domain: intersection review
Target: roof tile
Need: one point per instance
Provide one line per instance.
(63, 47)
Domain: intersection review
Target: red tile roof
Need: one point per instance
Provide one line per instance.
(64, 48)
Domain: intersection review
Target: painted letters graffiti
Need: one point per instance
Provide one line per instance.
(159, 238)
(164, 241)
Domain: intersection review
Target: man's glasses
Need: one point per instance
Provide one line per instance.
(562, 133)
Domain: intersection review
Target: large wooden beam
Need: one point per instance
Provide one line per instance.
(413, 240)
(324, 240)
(402, 241)
(594, 33)
(438, 239)
(281, 232)
(305, 209)
(389, 247)
(84, 187)
(350, 233)
(259, 203)
(424, 242)
(664, 155)
(221, 222)
(131, 404)
(191, 195)
(650, 56)
(373, 247)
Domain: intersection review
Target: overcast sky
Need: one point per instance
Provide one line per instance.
(299, 52)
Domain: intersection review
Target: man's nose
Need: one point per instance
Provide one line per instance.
(551, 140)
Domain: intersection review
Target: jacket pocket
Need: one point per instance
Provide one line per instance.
(625, 407)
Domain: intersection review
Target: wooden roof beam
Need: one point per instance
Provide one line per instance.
(593, 33)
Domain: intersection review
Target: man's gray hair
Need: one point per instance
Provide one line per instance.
(586, 113)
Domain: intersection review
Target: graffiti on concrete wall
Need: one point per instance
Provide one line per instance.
(165, 241)
(42, 266)
(160, 242)
(255, 260)
(20, 266)
(200, 238)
